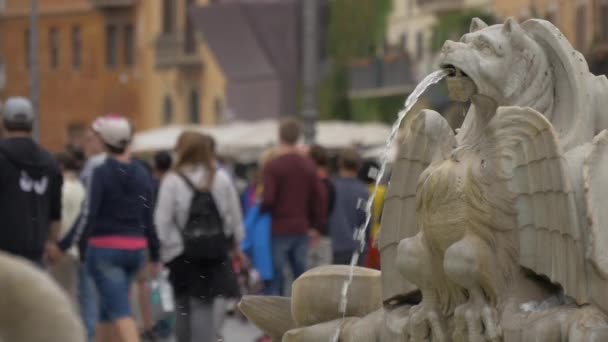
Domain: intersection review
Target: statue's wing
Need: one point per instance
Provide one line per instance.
(523, 146)
(595, 170)
(427, 137)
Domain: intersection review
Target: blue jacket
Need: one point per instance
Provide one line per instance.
(119, 202)
(257, 241)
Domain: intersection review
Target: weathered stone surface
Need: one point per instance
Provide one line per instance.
(318, 332)
(513, 195)
(461, 88)
(316, 294)
(271, 314)
(32, 306)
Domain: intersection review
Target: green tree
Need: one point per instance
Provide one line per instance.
(356, 29)
(454, 25)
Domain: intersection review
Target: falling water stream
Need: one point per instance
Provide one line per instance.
(360, 232)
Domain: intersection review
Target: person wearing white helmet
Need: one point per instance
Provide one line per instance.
(115, 132)
(117, 225)
(31, 181)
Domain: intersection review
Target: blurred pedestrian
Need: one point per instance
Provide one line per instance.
(65, 271)
(349, 209)
(31, 181)
(294, 196)
(257, 242)
(118, 214)
(161, 166)
(320, 250)
(210, 141)
(87, 294)
(368, 174)
(77, 153)
(198, 204)
(248, 197)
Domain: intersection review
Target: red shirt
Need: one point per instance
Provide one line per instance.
(294, 195)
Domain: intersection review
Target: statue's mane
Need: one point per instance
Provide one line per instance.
(537, 88)
(530, 83)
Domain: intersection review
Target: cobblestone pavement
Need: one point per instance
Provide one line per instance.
(235, 330)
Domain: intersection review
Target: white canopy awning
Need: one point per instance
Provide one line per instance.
(246, 140)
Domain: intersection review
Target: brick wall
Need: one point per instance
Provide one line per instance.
(69, 95)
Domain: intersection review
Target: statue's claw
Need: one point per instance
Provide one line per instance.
(476, 323)
(425, 324)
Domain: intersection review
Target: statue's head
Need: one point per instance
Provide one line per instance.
(502, 60)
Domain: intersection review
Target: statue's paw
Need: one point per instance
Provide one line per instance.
(425, 324)
(476, 323)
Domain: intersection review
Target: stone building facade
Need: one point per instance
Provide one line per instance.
(87, 63)
(142, 59)
(583, 22)
(181, 80)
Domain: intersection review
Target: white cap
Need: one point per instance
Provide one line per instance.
(18, 111)
(114, 130)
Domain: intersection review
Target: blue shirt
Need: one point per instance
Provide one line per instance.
(348, 213)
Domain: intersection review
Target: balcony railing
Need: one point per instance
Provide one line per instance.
(171, 52)
(381, 76)
(113, 3)
(440, 5)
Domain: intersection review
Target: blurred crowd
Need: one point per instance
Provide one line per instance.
(110, 227)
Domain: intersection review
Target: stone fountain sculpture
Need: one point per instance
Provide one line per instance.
(497, 233)
(33, 308)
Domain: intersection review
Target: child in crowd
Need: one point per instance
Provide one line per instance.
(348, 212)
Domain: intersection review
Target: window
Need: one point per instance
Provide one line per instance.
(219, 108)
(190, 39)
(54, 47)
(129, 42)
(168, 16)
(26, 43)
(76, 134)
(581, 27)
(194, 104)
(111, 45)
(550, 16)
(419, 45)
(403, 42)
(76, 47)
(2, 73)
(604, 22)
(167, 110)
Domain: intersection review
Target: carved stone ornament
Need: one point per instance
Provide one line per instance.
(500, 232)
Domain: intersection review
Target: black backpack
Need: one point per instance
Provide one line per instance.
(203, 235)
